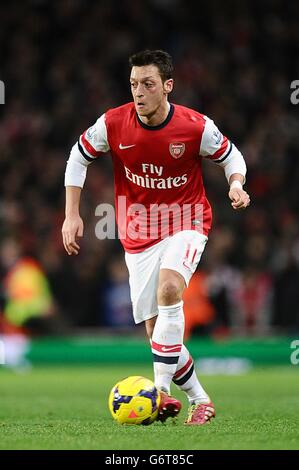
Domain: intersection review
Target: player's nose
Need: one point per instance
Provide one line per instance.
(139, 91)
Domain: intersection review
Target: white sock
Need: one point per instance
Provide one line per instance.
(185, 378)
(167, 343)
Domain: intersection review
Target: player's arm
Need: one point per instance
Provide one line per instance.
(240, 198)
(222, 151)
(91, 144)
(73, 224)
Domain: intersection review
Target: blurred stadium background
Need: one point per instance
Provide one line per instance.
(63, 64)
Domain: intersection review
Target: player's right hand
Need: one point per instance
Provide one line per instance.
(72, 228)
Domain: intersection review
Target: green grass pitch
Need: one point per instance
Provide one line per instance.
(66, 408)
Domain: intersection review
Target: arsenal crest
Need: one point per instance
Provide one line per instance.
(177, 149)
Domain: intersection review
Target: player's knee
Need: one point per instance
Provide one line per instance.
(169, 293)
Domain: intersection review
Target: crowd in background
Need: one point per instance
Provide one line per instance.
(64, 64)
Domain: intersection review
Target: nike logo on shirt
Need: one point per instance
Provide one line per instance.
(173, 348)
(123, 147)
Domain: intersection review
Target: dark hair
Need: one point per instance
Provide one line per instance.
(161, 59)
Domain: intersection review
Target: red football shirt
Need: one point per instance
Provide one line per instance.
(157, 171)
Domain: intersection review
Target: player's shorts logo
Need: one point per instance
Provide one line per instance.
(177, 149)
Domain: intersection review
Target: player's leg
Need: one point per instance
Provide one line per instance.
(178, 262)
(169, 406)
(168, 333)
(201, 409)
(185, 378)
(143, 278)
(182, 257)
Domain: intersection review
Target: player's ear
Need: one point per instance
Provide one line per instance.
(168, 85)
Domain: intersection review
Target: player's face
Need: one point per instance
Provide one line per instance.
(148, 90)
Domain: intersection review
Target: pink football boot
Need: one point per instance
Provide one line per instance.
(169, 407)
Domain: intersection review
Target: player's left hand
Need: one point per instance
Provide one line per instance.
(240, 199)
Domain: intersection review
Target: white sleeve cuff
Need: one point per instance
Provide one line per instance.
(76, 169)
(234, 163)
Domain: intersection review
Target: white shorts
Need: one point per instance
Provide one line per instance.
(180, 252)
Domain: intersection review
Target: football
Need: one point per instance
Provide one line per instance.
(134, 400)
